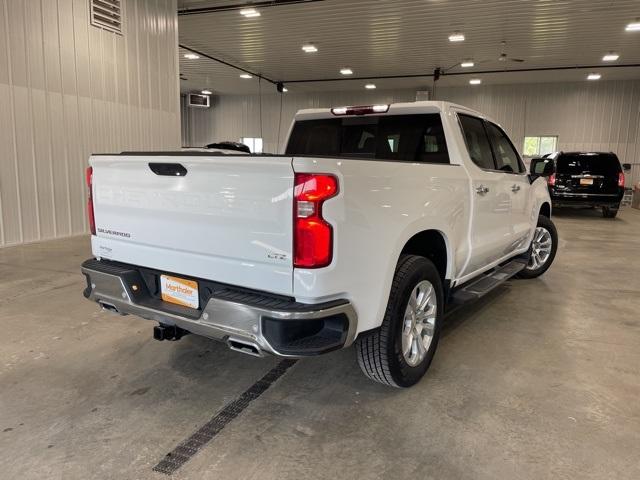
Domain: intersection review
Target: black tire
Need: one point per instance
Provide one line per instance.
(379, 351)
(608, 212)
(546, 223)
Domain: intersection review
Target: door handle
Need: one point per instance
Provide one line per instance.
(168, 169)
(482, 190)
(515, 188)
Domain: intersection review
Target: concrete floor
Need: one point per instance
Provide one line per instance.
(541, 379)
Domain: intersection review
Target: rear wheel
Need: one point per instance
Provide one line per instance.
(543, 249)
(400, 351)
(609, 212)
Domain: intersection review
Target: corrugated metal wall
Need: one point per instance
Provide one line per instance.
(585, 115)
(597, 116)
(600, 116)
(68, 89)
(235, 116)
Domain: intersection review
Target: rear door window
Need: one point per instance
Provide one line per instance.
(477, 141)
(507, 159)
(606, 164)
(413, 138)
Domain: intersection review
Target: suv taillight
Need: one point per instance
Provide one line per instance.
(92, 218)
(312, 235)
(621, 179)
(551, 180)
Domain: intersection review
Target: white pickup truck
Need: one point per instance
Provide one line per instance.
(375, 223)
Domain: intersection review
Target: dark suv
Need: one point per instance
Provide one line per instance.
(583, 179)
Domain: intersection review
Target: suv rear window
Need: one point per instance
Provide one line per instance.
(412, 138)
(594, 164)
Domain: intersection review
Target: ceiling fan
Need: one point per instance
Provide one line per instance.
(503, 57)
(506, 58)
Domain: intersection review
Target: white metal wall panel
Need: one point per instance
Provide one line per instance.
(585, 116)
(599, 116)
(69, 89)
(233, 116)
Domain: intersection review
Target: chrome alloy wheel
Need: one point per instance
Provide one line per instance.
(540, 248)
(419, 323)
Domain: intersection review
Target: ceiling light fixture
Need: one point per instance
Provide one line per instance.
(285, 89)
(633, 27)
(456, 37)
(370, 86)
(475, 81)
(467, 63)
(206, 92)
(245, 75)
(309, 48)
(191, 56)
(594, 76)
(610, 57)
(346, 71)
(249, 12)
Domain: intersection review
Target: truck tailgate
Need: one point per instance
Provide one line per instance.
(227, 218)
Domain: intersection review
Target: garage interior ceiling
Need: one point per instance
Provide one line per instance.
(378, 38)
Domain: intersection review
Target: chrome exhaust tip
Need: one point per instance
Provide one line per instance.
(110, 308)
(244, 347)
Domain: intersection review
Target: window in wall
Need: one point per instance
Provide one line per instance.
(538, 146)
(254, 143)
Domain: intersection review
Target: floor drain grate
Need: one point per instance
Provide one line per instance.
(189, 447)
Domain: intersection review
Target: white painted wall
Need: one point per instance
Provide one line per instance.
(586, 115)
(68, 89)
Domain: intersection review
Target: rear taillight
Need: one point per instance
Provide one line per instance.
(312, 235)
(551, 180)
(621, 179)
(92, 218)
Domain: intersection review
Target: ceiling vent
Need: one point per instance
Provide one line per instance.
(107, 14)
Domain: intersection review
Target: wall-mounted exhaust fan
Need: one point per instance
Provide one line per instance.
(198, 101)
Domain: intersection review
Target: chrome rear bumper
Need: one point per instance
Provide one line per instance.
(265, 323)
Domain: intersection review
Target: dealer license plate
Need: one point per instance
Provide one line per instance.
(179, 291)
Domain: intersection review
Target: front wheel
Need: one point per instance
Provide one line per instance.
(543, 249)
(399, 353)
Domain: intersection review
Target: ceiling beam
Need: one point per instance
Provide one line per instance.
(223, 62)
(239, 6)
(475, 72)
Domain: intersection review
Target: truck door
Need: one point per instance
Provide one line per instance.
(491, 232)
(517, 184)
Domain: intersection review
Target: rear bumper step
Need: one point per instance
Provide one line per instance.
(251, 322)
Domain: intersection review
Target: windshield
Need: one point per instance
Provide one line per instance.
(594, 164)
(414, 138)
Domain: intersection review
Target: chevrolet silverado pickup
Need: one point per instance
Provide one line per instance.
(373, 224)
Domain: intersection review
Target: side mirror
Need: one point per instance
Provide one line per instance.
(541, 167)
(626, 166)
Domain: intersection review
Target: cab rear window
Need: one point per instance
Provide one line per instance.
(596, 164)
(412, 138)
